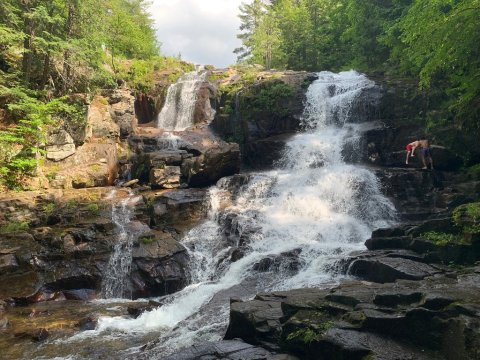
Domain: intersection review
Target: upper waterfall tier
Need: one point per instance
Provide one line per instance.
(181, 102)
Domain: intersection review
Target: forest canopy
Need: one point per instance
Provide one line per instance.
(51, 50)
(433, 42)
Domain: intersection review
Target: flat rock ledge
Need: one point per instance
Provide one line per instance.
(434, 318)
(228, 350)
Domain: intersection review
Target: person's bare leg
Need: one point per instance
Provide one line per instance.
(406, 161)
(424, 162)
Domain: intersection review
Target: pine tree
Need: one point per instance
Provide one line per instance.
(250, 18)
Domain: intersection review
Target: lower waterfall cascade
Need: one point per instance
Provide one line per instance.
(120, 261)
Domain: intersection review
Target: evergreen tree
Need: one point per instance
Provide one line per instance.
(250, 18)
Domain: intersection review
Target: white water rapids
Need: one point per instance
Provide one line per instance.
(291, 226)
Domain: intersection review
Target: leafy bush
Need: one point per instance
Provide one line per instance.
(269, 98)
(142, 74)
(474, 172)
(305, 336)
(467, 216)
(441, 238)
(21, 143)
(49, 208)
(94, 209)
(14, 226)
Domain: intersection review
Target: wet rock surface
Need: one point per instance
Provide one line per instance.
(228, 350)
(68, 240)
(405, 319)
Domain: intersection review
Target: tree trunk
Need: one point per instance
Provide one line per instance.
(46, 71)
(69, 31)
(29, 31)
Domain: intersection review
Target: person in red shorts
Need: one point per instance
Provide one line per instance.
(411, 149)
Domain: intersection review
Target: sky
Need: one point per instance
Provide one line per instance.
(202, 31)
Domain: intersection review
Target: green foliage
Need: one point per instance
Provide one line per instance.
(442, 239)
(93, 209)
(49, 208)
(269, 98)
(467, 216)
(250, 16)
(305, 336)
(67, 46)
(14, 226)
(140, 73)
(216, 76)
(147, 239)
(474, 172)
(72, 204)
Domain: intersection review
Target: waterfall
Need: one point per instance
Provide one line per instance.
(289, 227)
(119, 264)
(179, 109)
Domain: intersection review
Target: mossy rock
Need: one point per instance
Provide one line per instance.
(305, 329)
(467, 216)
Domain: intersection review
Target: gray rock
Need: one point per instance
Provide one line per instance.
(167, 177)
(167, 157)
(228, 350)
(213, 164)
(387, 269)
(60, 145)
(8, 262)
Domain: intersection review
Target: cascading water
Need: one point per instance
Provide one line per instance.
(291, 226)
(266, 231)
(119, 264)
(178, 111)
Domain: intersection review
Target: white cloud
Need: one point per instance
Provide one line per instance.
(202, 31)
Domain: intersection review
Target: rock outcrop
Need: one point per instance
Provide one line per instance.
(262, 115)
(56, 245)
(60, 145)
(199, 158)
(406, 319)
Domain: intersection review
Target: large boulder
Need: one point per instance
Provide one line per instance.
(203, 111)
(122, 111)
(215, 163)
(177, 208)
(167, 177)
(99, 120)
(60, 145)
(159, 265)
(384, 269)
